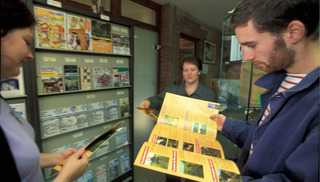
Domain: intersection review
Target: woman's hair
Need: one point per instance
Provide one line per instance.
(15, 14)
(275, 15)
(191, 59)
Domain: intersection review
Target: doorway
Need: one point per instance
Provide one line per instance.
(187, 46)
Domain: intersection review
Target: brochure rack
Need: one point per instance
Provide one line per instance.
(79, 85)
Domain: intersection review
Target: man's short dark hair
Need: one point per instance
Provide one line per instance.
(275, 15)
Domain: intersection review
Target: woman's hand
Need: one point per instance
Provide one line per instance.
(53, 159)
(145, 104)
(219, 119)
(74, 167)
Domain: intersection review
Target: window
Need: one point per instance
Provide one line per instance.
(138, 12)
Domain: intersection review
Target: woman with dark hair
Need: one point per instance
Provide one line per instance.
(19, 153)
(191, 68)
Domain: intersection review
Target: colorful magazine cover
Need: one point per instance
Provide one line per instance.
(51, 77)
(101, 36)
(71, 77)
(120, 40)
(121, 44)
(102, 77)
(85, 77)
(50, 28)
(120, 77)
(79, 33)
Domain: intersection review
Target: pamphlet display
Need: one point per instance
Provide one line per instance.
(83, 81)
(61, 30)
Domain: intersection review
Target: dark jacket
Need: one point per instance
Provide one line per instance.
(202, 92)
(286, 145)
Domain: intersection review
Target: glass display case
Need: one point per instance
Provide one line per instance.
(238, 96)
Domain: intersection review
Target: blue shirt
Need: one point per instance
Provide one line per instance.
(20, 137)
(286, 145)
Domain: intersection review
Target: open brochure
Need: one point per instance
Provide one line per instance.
(183, 142)
(94, 145)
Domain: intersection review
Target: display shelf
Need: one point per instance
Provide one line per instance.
(84, 103)
(39, 49)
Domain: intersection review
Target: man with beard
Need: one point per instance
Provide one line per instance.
(281, 37)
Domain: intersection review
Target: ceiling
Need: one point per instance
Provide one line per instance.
(210, 12)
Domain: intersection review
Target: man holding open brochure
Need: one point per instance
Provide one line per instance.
(281, 37)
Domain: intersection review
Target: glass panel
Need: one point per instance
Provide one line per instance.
(229, 82)
(227, 87)
(138, 12)
(237, 93)
(145, 58)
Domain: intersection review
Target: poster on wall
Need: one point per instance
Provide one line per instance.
(209, 52)
(79, 33)
(50, 28)
(120, 40)
(101, 36)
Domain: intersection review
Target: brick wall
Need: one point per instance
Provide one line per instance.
(173, 23)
